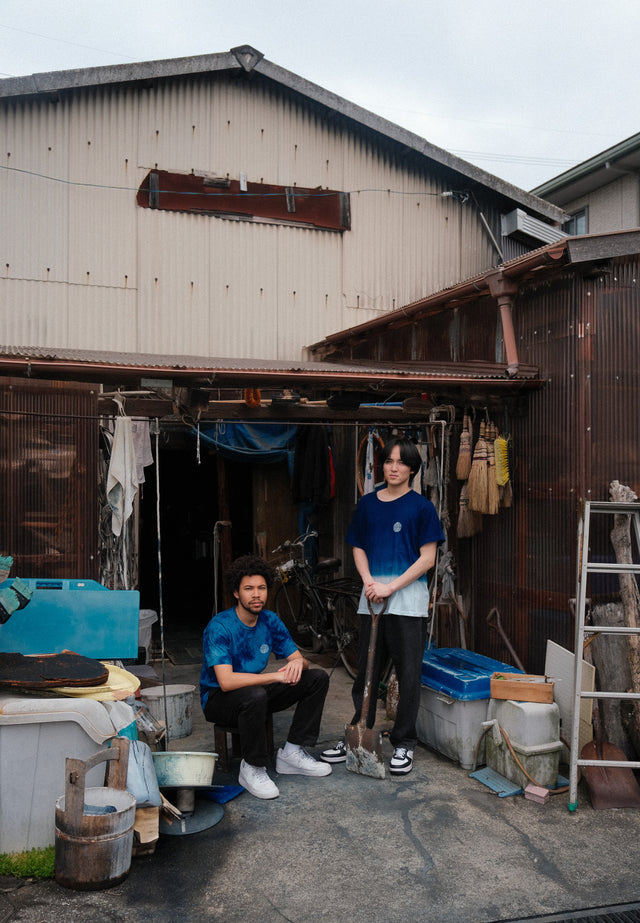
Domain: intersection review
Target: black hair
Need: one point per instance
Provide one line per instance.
(409, 454)
(247, 566)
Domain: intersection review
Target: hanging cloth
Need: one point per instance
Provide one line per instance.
(369, 479)
(122, 481)
(142, 447)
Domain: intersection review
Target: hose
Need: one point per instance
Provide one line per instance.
(552, 791)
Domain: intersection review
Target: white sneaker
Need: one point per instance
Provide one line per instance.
(300, 763)
(401, 761)
(256, 781)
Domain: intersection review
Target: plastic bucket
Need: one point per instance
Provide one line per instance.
(179, 700)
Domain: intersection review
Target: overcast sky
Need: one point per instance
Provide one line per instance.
(525, 89)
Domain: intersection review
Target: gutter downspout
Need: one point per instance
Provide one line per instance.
(504, 291)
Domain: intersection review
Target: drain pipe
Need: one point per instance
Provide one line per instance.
(504, 291)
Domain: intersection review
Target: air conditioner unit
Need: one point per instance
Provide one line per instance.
(524, 227)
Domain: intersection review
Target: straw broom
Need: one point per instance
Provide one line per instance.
(478, 486)
(493, 491)
(469, 522)
(463, 465)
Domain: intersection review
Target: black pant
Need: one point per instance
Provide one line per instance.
(247, 709)
(403, 638)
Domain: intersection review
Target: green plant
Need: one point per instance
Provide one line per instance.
(34, 863)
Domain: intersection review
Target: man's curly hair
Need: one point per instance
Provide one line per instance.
(247, 566)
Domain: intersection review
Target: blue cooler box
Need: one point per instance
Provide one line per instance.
(454, 701)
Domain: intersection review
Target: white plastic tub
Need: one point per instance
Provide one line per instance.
(36, 737)
(451, 726)
(533, 729)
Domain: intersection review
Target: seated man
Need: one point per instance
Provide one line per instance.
(235, 691)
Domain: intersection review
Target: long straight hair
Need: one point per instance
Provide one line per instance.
(409, 454)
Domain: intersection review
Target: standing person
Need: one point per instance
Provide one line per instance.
(394, 533)
(234, 690)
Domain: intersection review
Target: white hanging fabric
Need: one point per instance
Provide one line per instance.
(122, 479)
(142, 447)
(369, 485)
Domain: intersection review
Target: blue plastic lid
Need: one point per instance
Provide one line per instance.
(461, 674)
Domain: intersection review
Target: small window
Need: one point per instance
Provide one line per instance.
(578, 223)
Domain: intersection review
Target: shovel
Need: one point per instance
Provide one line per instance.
(363, 744)
(609, 786)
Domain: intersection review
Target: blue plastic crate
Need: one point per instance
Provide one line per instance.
(461, 674)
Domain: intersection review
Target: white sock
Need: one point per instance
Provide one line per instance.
(290, 748)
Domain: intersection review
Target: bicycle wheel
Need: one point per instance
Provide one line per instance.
(346, 624)
(294, 606)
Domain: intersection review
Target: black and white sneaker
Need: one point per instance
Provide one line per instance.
(401, 761)
(337, 754)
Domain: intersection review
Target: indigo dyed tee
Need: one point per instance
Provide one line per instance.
(227, 639)
(391, 534)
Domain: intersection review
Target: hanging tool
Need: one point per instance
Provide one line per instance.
(363, 744)
(493, 620)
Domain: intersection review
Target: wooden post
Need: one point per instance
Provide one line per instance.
(225, 530)
(629, 594)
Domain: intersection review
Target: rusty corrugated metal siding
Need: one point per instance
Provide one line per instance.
(48, 475)
(577, 435)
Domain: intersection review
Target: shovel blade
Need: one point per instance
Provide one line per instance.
(364, 751)
(609, 786)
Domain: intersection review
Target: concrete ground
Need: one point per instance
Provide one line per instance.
(433, 846)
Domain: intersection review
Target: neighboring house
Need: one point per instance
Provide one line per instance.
(602, 194)
(572, 308)
(174, 233)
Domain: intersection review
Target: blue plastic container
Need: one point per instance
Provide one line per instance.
(461, 674)
(454, 700)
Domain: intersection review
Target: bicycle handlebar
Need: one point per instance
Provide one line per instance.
(300, 540)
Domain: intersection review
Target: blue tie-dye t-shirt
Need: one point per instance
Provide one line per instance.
(391, 534)
(227, 639)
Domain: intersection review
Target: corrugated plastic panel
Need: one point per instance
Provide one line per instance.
(48, 516)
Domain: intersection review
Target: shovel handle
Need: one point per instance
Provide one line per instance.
(371, 653)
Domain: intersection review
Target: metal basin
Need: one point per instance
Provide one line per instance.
(175, 769)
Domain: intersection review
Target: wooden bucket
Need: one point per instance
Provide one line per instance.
(94, 826)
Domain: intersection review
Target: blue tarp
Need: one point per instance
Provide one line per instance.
(267, 442)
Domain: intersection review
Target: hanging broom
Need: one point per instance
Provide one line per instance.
(469, 522)
(463, 465)
(493, 491)
(502, 447)
(478, 488)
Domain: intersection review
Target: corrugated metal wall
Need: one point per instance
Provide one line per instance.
(569, 440)
(576, 436)
(48, 477)
(83, 266)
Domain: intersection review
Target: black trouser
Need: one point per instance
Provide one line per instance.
(247, 709)
(403, 638)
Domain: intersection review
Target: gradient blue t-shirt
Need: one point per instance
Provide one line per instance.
(227, 639)
(391, 534)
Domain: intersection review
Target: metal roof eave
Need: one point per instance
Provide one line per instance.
(53, 82)
(593, 173)
(568, 251)
(370, 377)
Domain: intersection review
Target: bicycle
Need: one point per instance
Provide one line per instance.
(320, 614)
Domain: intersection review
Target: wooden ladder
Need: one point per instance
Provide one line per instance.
(585, 567)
